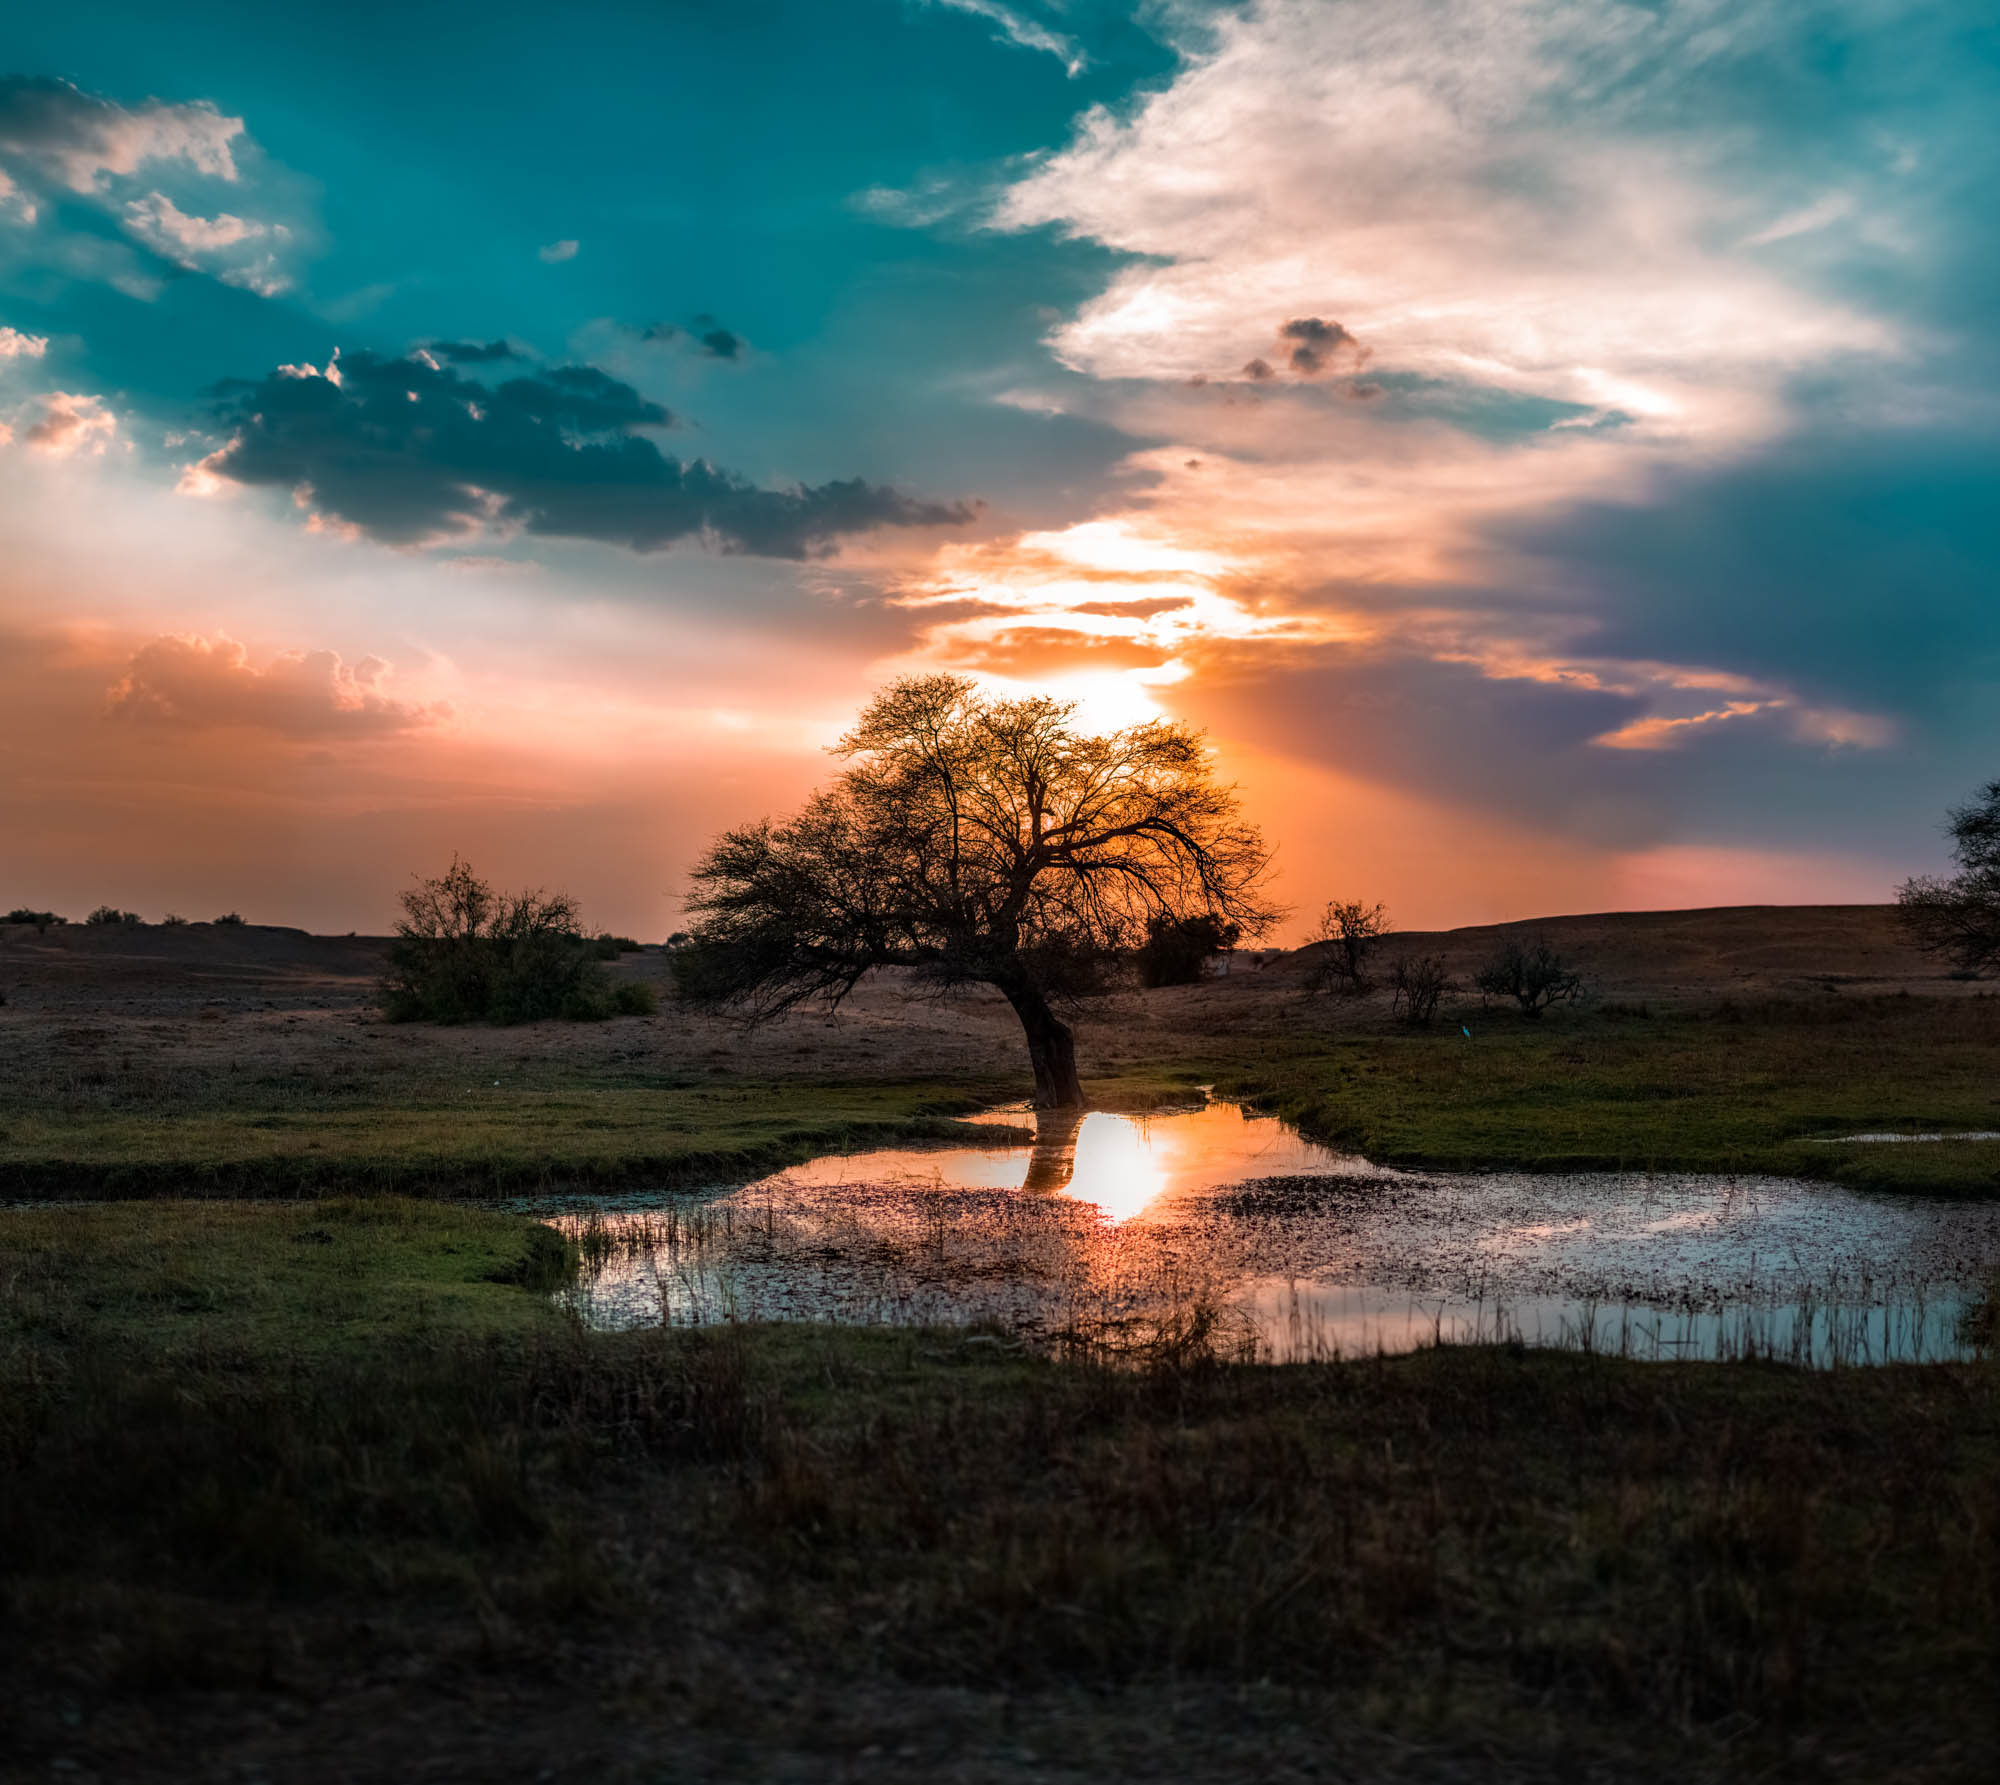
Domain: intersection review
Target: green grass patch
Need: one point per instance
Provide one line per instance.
(475, 1140)
(1732, 1089)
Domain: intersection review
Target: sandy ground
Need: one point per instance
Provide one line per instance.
(188, 1001)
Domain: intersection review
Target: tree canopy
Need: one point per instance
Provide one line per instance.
(1959, 916)
(975, 839)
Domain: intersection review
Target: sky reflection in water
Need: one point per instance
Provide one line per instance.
(1110, 1224)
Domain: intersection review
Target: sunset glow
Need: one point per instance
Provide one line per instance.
(1548, 448)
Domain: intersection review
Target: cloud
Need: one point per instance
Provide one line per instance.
(15, 345)
(1531, 199)
(78, 138)
(195, 682)
(71, 424)
(411, 452)
(708, 335)
(1316, 344)
(221, 245)
(61, 147)
(475, 353)
(1016, 27)
(556, 252)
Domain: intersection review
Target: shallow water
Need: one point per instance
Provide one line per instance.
(1124, 1226)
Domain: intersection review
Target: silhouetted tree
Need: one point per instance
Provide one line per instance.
(1176, 949)
(974, 839)
(1349, 930)
(1959, 916)
(1420, 983)
(1531, 972)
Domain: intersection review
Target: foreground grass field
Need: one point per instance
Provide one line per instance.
(332, 1490)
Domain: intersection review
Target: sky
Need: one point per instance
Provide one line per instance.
(1549, 447)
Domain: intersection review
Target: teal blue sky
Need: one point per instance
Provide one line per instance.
(1553, 445)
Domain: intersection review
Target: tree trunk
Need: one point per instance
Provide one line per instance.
(1051, 1046)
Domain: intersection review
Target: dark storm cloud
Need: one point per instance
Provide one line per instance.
(707, 335)
(408, 452)
(1258, 369)
(1863, 574)
(1316, 343)
(475, 353)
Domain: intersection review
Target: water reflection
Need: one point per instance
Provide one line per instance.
(1109, 1223)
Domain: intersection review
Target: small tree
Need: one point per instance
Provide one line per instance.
(974, 840)
(1532, 973)
(1177, 949)
(466, 954)
(1347, 933)
(1959, 916)
(1420, 983)
(106, 915)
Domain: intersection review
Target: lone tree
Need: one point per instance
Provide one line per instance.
(1959, 917)
(1530, 971)
(974, 840)
(1349, 929)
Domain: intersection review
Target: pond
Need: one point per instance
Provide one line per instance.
(1117, 1230)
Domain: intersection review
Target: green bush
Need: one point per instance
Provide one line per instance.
(466, 954)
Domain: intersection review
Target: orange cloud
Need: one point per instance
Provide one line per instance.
(187, 680)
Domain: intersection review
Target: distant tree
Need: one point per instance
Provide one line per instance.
(1531, 972)
(466, 954)
(1347, 933)
(105, 915)
(1177, 949)
(42, 920)
(1420, 983)
(1959, 916)
(974, 840)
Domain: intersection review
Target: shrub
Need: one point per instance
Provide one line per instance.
(229, 918)
(466, 954)
(106, 915)
(1347, 934)
(1532, 973)
(174, 921)
(1176, 949)
(1420, 983)
(42, 920)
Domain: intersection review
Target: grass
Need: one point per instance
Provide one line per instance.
(238, 1460)
(286, 1139)
(1732, 1088)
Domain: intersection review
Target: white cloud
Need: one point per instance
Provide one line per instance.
(232, 248)
(557, 251)
(78, 138)
(1479, 192)
(72, 424)
(15, 345)
(13, 199)
(1015, 26)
